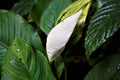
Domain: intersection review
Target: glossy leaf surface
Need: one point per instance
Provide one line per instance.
(22, 62)
(11, 26)
(103, 25)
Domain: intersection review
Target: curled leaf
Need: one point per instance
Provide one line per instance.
(72, 9)
(60, 34)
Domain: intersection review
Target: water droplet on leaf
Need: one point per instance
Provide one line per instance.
(11, 62)
(27, 45)
(18, 50)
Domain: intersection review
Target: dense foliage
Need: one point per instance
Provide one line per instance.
(59, 39)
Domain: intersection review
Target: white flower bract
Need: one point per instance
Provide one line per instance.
(60, 34)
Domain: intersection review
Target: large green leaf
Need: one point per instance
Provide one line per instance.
(38, 10)
(11, 26)
(103, 25)
(107, 69)
(22, 62)
(47, 21)
(23, 7)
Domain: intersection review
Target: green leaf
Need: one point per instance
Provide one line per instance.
(2, 54)
(103, 2)
(38, 9)
(72, 9)
(11, 26)
(47, 21)
(59, 66)
(22, 62)
(103, 25)
(107, 69)
(23, 7)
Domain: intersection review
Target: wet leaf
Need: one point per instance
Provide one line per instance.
(103, 25)
(22, 62)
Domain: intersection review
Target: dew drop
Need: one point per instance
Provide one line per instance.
(118, 66)
(27, 45)
(11, 62)
(18, 50)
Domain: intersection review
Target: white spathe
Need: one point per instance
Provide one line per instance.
(60, 34)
